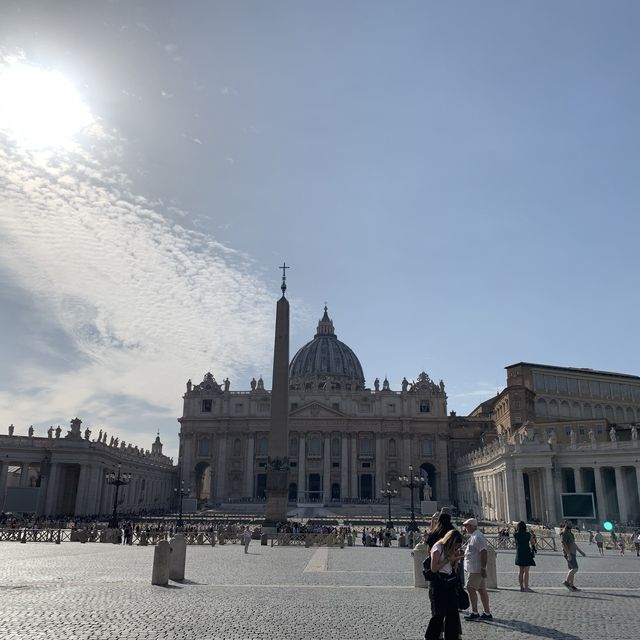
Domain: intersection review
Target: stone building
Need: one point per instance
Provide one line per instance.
(346, 440)
(66, 474)
(558, 430)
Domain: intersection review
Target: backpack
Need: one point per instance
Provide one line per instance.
(426, 569)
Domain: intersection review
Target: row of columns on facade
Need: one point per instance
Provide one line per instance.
(349, 473)
(93, 494)
(504, 505)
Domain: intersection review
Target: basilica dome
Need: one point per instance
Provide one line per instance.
(325, 361)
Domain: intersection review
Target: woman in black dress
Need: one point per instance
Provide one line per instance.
(525, 550)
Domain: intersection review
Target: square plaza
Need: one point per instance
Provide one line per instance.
(94, 591)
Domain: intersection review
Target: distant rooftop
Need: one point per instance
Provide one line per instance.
(574, 370)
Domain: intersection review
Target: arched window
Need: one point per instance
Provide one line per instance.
(598, 411)
(630, 416)
(587, 410)
(619, 414)
(541, 407)
(365, 445)
(608, 412)
(392, 448)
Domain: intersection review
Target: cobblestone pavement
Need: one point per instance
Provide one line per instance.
(96, 591)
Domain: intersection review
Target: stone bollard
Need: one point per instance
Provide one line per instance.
(161, 560)
(419, 553)
(23, 540)
(178, 557)
(58, 538)
(264, 538)
(491, 580)
(213, 538)
(143, 542)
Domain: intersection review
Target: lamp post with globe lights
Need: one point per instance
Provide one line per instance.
(412, 482)
(389, 493)
(182, 493)
(117, 480)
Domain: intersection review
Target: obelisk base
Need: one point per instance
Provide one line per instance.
(277, 497)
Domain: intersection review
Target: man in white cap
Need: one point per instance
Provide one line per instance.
(475, 564)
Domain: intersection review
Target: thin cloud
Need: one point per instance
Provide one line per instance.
(145, 301)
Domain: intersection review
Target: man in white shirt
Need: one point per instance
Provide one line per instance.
(475, 564)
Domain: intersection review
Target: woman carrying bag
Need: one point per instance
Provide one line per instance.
(444, 588)
(525, 552)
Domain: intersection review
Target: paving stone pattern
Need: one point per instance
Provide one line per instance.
(96, 591)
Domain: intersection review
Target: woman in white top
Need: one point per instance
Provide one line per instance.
(443, 588)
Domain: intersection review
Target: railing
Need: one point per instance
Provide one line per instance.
(35, 535)
(543, 543)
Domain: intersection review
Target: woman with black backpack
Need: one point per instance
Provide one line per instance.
(444, 587)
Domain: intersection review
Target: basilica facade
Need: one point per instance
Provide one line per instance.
(347, 441)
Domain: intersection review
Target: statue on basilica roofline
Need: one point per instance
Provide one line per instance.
(405, 384)
(253, 384)
(100, 436)
(11, 429)
(376, 384)
(189, 385)
(261, 383)
(58, 431)
(227, 384)
(87, 433)
(50, 432)
(385, 384)
(31, 431)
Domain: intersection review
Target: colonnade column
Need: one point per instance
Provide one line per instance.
(302, 463)
(3, 482)
(621, 494)
(380, 475)
(344, 467)
(550, 495)
(522, 504)
(249, 469)
(601, 496)
(24, 474)
(354, 465)
(221, 471)
(326, 470)
(577, 476)
(81, 494)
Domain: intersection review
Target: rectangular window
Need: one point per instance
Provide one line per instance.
(207, 406)
(335, 465)
(366, 465)
(562, 385)
(203, 447)
(427, 448)
(538, 382)
(424, 406)
(293, 465)
(581, 431)
(567, 431)
(550, 384)
(584, 388)
(573, 387)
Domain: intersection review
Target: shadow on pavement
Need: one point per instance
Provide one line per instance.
(533, 629)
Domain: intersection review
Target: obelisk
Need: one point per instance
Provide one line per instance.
(278, 463)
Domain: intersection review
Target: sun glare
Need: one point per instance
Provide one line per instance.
(39, 107)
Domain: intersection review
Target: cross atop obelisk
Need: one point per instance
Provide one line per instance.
(283, 286)
(278, 463)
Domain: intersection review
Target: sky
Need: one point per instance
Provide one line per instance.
(458, 181)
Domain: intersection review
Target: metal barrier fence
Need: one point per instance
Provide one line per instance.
(306, 539)
(543, 543)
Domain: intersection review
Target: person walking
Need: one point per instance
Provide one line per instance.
(246, 538)
(443, 588)
(525, 551)
(599, 540)
(636, 541)
(475, 564)
(570, 549)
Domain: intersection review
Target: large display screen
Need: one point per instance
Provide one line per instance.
(578, 505)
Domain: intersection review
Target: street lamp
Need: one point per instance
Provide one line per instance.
(412, 482)
(119, 480)
(389, 493)
(182, 492)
